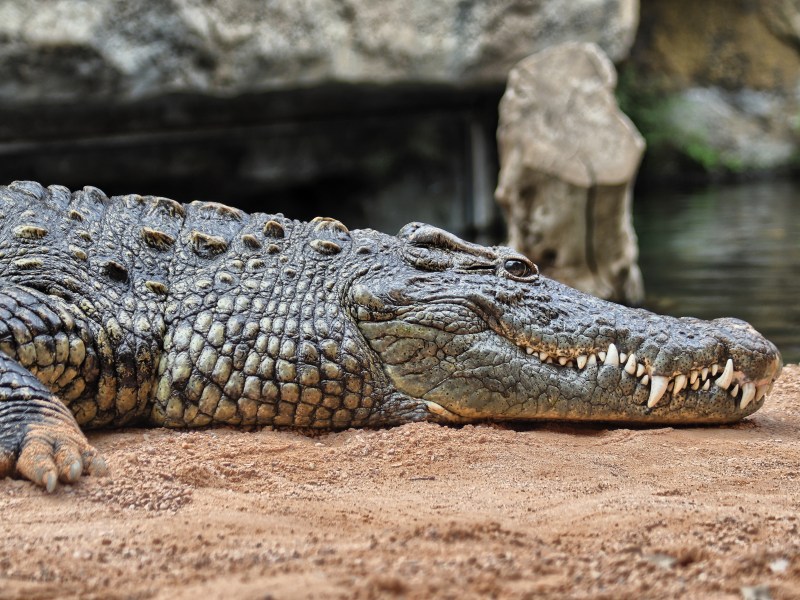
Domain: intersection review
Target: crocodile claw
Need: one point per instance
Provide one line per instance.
(52, 453)
(98, 466)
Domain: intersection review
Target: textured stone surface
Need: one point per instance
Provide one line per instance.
(717, 82)
(70, 49)
(568, 159)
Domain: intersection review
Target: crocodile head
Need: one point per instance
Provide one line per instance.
(476, 334)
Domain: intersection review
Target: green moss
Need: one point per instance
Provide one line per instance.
(711, 159)
(703, 154)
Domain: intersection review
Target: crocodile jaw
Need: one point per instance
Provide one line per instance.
(516, 383)
(627, 390)
(499, 365)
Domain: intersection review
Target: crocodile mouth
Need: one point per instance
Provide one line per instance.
(739, 385)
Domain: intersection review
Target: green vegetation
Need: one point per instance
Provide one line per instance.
(711, 159)
(647, 106)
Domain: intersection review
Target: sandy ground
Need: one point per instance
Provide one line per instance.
(422, 511)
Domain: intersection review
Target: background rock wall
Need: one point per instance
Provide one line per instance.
(374, 112)
(73, 49)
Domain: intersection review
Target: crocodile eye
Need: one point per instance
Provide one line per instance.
(520, 269)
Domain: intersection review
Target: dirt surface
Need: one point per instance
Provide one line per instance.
(422, 511)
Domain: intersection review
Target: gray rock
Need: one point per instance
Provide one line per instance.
(73, 49)
(742, 130)
(568, 160)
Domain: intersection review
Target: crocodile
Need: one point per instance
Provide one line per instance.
(139, 310)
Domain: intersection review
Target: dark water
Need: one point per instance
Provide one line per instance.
(725, 251)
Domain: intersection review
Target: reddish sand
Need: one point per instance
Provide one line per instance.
(422, 511)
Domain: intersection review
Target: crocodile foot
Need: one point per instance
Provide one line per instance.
(49, 452)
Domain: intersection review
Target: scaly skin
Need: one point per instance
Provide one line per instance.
(140, 310)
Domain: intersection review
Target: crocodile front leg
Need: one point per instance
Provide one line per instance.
(40, 439)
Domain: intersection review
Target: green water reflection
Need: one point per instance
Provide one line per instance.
(725, 251)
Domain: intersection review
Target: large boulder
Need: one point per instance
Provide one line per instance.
(568, 159)
(73, 49)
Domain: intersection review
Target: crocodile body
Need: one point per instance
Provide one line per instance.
(140, 310)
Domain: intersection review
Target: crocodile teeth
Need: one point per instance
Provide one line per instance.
(680, 383)
(645, 380)
(696, 385)
(724, 380)
(714, 370)
(657, 388)
(707, 385)
(761, 391)
(612, 356)
(748, 393)
(735, 390)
